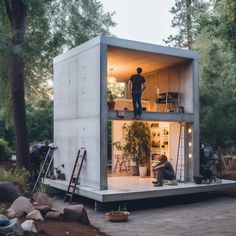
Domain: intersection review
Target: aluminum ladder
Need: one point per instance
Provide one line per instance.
(180, 160)
(45, 166)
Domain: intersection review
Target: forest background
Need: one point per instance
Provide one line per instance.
(33, 32)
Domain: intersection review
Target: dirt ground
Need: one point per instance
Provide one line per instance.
(57, 228)
(60, 228)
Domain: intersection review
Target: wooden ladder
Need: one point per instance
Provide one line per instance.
(75, 175)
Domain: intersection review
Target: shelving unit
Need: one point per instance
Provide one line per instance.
(159, 142)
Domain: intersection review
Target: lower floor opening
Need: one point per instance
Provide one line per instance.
(173, 139)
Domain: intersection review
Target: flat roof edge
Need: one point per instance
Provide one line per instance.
(78, 49)
(129, 44)
(149, 47)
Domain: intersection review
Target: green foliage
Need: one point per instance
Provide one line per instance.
(137, 141)
(115, 90)
(3, 209)
(5, 151)
(78, 21)
(20, 176)
(213, 32)
(13, 234)
(186, 19)
(226, 22)
(52, 27)
(110, 96)
(7, 133)
(45, 188)
(40, 120)
(217, 90)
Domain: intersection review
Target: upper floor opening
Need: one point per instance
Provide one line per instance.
(169, 80)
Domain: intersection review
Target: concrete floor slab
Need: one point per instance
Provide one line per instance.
(133, 187)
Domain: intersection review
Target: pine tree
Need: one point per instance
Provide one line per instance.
(186, 15)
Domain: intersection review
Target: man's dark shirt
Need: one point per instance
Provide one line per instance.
(137, 81)
(168, 166)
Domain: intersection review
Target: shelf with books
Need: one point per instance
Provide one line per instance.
(159, 142)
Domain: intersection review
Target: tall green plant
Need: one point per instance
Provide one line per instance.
(137, 142)
(5, 151)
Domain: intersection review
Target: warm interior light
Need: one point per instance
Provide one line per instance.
(111, 80)
(189, 130)
(190, 155)
(189, 144)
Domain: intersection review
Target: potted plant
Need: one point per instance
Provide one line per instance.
(110, 100)
(137, 144)
(207, 172)
(118, 216)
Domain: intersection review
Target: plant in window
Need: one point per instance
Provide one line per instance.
(137, 142)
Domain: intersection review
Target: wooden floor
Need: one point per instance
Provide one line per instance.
(134, 187)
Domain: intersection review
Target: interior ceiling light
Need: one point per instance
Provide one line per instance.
(111, 79)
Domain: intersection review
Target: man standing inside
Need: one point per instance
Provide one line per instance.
(136, 86)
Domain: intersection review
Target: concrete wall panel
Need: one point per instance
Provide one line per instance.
(186, 74)
(88, 83)
(65, 89)
(77, 113)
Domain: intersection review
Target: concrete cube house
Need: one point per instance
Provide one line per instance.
(81, 115)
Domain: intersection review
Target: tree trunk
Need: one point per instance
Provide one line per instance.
(189, 24)
(17, 13)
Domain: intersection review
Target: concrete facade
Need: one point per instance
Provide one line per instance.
(80, 100)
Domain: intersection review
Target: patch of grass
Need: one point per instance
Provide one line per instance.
(20, 176)
(13, 234)
(45, 188)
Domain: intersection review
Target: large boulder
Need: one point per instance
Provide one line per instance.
(34, 215)
(29, 226)
(42, 199)
(43, 209)
(76, 213)
(19, 207)
(10, 191)
(54, 215)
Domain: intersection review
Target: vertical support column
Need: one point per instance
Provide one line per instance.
(103, 116)
(196, 128)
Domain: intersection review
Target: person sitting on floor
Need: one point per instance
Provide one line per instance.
(164, 171)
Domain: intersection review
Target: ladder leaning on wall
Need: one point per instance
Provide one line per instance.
(45, 167)
(75, 175)
(179, 167)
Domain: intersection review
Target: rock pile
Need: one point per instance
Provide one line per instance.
(39, 209)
